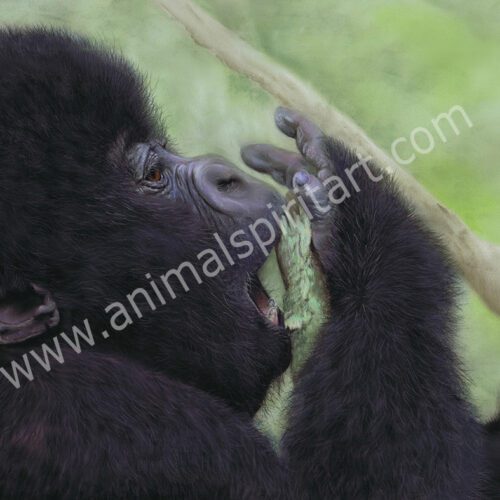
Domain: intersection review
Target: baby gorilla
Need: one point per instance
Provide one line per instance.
(155, 398)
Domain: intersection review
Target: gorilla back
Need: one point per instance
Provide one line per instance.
(125, 374)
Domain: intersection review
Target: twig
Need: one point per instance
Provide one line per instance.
(478, 260)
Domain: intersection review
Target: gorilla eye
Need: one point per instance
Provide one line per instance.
(154, 175)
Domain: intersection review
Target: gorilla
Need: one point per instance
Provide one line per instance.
(138, 343)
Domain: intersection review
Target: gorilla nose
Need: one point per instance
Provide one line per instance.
(227, 189)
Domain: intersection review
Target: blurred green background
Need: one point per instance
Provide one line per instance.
(390, 65)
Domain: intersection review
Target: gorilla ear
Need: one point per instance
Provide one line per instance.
(26, 314)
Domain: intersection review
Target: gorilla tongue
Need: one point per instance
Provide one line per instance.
(266, 305)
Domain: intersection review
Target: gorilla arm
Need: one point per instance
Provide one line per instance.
(379, 410)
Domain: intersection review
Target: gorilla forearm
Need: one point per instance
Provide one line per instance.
(379, 410)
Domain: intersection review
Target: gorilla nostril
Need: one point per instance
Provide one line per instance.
(227, 184)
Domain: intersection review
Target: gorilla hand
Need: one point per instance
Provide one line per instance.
(305, 173)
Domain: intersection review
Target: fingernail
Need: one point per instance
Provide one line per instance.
(301, 178)
(283, 121)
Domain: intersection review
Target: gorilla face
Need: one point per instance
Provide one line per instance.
(105, 210)
(224, 197)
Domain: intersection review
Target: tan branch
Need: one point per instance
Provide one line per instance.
(478, 260)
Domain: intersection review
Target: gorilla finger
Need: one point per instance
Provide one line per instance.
(309, 138)
(279, 163)
(289, 121)
(314, 199)
(312, 194)
(324, 174)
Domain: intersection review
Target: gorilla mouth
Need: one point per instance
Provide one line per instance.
(266, 305)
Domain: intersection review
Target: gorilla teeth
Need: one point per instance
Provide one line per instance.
(266, 305)
(272, 311)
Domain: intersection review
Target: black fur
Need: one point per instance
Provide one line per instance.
(493, 458)
(164, 408)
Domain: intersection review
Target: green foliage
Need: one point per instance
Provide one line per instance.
(293, 277)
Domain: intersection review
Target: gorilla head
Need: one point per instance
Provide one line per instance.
(100, 218)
